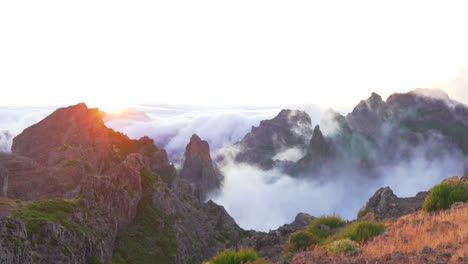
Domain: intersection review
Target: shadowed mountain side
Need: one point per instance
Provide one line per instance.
(290, 128)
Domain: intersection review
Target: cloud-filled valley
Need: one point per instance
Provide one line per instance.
(265, 199)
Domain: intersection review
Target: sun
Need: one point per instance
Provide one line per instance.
(113, 107)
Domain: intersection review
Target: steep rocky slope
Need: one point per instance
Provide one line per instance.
(86, 193)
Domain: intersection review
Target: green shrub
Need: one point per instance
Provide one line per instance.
(363, 230)
(39, 212)
(333, 221)
(231, 257)
(445, 194)
(342, 246)
(301, 240)
(458, 194)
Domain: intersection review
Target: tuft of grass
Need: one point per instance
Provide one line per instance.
(301, 240)
(332, 221)
(363, 230)
(39, 212)
(231, 257)
(443, 195)
(342, 246)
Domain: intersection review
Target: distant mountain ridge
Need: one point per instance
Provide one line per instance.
(375, 133)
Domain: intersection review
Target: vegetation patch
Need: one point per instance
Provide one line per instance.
(232, 257)
(443, 195)
(332, 221)
(363, 230)
(145, 146)
(342, 246)
(151, 237)
(331, 233)
(301, 240)
(39, 212)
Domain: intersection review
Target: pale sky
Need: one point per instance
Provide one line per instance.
(118, 53)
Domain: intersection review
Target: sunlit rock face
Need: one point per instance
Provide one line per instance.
(198, 168)
(289, 129)
(109, 186)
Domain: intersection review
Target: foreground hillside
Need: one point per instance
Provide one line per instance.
(421, 237)
(436, 233)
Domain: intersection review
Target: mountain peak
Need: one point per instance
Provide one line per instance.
(198, 168)
(76, 128)
(199, 148)
(375, 97)
(317, 132)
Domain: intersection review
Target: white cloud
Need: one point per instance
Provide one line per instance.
(13, 120)
(264, 200)
(172, 130)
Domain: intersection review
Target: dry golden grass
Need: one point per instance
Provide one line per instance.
(411, 233)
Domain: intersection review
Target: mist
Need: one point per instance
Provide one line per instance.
(264, 200)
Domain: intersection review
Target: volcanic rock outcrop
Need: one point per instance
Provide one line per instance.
(319, 152)
(290, 128)
(198, 168)
(385, 204)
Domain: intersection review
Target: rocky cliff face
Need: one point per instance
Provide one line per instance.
(90, 194)
(385, 204)
(290, 128)
(198, 169)
(319, 152)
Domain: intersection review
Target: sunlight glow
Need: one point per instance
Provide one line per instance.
(217, 52)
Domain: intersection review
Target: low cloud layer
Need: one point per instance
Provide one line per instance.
(172, 127)
(264, 200)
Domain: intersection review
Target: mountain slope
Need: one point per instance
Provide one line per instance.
(87, 194)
